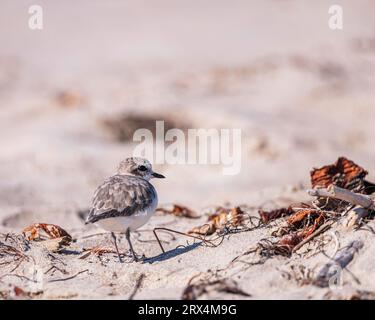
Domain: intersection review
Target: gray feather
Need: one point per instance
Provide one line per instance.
(119, 196)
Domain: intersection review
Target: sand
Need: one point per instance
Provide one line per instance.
(301, 93)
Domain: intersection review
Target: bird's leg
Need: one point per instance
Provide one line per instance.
(115, 241)
(130, 245)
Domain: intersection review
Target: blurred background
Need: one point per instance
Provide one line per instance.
(72, 94)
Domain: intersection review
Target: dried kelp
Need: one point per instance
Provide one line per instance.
(218, 221)
(178, 211)
(346, 187)
(12, 251)
(16, 292)
(268, 216)
(343, 173)
(96, 251)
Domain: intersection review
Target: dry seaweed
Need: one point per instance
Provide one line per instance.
(178, 211)
(268, 216)
(286, 244)
(305, 223)
(16, 292)
(12, 252)
(219, 221)
(343, 173)
(96, 251)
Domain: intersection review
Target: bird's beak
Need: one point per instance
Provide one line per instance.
(157, 175)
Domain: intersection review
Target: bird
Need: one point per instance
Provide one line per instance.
(126, 200)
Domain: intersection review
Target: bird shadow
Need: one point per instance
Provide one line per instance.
(171, 254)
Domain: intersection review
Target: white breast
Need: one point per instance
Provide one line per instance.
(133, 222)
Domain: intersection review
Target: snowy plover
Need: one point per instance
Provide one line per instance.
(125, 201)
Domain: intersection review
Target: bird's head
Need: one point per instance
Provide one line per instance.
(138, 167)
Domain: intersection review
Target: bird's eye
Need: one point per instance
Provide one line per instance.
(142, 168)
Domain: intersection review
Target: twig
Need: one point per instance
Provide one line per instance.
(137, 286)
(69, 278)
(323, 228)
(345, 195)
(56, 268)
(17, 276)
(181, 233)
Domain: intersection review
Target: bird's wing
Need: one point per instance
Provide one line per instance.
(121, 196)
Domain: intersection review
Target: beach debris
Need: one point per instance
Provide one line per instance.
(302, 217)
(69, 278)
(283, 246)
(138, 284)
(343, 173)
(16, 292)
(342, 194)
(96, 251)
(334, 185)
(267, 248)
(351, 295)
(194, 290)
(10, 256)
(301, 274)
(218, 221)
(267, 216)
(39, 232)
(178, 211)
(331, 270)
(349, 196)
(308, 237)
(12, 251)
(359, 205)
(56, 268)
(303, 226)
(298, 229)
(288, 242)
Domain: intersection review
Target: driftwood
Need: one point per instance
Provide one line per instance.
(355, 216)
(345, 195)
(364, 203)
(329, 272)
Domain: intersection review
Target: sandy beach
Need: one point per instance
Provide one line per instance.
(302, 95)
